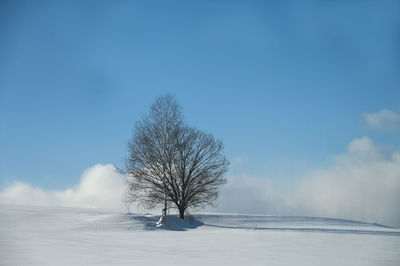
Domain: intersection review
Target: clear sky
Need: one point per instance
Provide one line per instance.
(284, 84)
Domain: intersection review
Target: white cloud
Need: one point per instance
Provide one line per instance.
(100, 187)
(384, 120)
(364, 184)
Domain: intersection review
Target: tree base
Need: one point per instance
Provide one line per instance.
(162, 220)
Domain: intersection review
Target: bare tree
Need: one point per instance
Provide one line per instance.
(171, 163)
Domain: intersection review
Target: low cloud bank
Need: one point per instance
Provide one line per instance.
(100, 187)
(363, 184)
(251, 195)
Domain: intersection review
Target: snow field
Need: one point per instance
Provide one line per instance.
(65, 236)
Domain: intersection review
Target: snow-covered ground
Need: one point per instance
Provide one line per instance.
(66, 236)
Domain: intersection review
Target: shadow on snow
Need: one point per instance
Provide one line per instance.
(262, 223)
(174, 223)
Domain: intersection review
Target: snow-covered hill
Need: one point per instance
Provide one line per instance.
(66, 236)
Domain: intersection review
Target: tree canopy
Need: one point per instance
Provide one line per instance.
(172, 163)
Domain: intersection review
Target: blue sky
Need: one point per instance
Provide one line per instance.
(284, 84)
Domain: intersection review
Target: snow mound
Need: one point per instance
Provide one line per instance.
(177, 224)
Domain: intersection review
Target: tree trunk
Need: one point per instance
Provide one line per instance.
(164, 211)
(182, 213)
